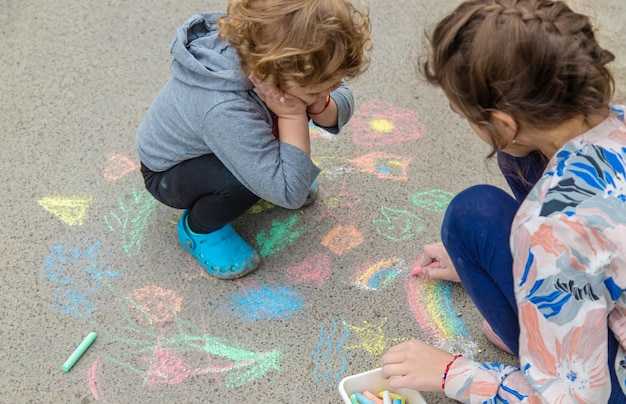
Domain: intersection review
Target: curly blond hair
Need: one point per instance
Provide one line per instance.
(298, 43)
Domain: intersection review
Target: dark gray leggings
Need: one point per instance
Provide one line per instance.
(204, 186)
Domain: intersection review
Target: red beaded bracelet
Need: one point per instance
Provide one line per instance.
(445, 373)
(323, 109)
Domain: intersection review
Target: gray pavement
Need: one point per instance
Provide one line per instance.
(84, 248)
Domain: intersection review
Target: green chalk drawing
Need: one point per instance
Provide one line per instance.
(169, 353)
(280, 236)
(434, 200)
(398, 225)
(131, 220)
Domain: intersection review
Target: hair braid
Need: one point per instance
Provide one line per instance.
(536, 60)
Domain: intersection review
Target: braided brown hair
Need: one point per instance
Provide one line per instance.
(536, 60)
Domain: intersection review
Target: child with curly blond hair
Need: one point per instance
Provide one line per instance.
(231, 125)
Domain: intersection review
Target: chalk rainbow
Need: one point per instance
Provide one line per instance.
(430, 302)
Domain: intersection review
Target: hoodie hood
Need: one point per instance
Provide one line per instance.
(203, 59)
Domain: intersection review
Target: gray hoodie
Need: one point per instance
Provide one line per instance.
(208, 106)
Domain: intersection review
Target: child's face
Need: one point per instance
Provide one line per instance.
(317, 93)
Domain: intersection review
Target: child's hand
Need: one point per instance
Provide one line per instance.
(415, 365)
(279, 102)
(436, 264)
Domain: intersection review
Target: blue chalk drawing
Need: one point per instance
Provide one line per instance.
(324, 366)
(67, 268)
(267, 303)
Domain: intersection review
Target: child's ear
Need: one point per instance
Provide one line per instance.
(505, 124)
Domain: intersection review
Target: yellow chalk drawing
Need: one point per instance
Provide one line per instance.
(261, 206)
(382, 125)
(373, 339)
(69, 210)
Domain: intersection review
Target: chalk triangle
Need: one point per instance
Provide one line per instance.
(70, 210)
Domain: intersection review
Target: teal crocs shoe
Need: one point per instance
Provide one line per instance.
(223, 253)
(314, 192)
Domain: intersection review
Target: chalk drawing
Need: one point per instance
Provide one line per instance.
(398, 225)
(314, 270)
(267, 303)
(330, 166)
(71, 210)
(94, 382)
(342, 239)
(131, 220)
(280, 236)
(325, 371)
(336, 206)
(162, 305)
(372, 338)
(434, 200)
(378, 123)
(430, 302)
(162, 357)
(379, 275)
(118, 166)
(384, 165)
(261, 206)
(315, 132)
(68, 268)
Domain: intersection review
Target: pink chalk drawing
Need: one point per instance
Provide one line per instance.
(170, 352)
(167, 367)
(161, 305)
(94, 382)
(315, 270)
(118, 166)
(378, 123)
(383, 165)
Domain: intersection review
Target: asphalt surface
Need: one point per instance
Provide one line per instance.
(85, 249)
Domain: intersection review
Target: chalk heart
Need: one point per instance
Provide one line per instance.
(118, 166)
(157, 304)
(379, 123)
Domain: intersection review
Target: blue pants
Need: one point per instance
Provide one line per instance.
(206, 187)
(476, 230)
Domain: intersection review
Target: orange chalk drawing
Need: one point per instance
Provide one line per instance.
(118, 166)
(71, 210)
(378, 123)
(161, 305)
(342, 239)
(383, 165)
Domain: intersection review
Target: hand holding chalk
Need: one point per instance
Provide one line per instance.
(78, 352)
(419, 267)
(436, 264)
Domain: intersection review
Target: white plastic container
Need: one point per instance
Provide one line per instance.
(373, 381)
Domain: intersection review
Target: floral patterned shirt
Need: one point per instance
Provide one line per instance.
(568, 241)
